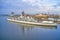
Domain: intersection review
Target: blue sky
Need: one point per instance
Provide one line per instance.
(29, 6)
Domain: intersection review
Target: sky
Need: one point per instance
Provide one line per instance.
(29, 6)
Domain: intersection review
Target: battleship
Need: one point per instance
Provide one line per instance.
(32, 21)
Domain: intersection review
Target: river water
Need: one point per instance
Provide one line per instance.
(16, 31)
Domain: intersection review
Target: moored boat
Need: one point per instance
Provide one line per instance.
(43, 23)
(41, 20)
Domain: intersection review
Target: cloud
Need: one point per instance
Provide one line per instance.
(44, 5)
(31, 5)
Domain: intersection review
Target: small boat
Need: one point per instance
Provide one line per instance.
(43, 23)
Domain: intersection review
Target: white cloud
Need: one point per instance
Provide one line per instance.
(43, 5)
